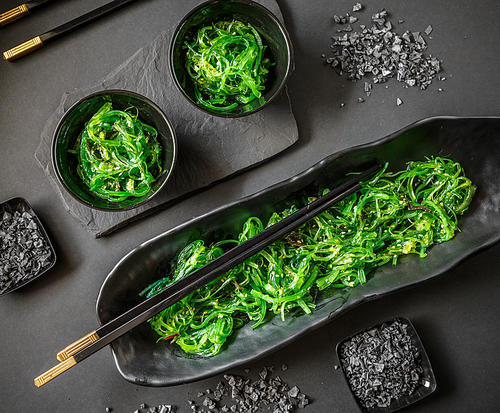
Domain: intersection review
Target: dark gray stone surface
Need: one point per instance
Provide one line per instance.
(455, 315)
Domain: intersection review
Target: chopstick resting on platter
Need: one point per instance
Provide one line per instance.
(94, 341)
(64, 29)
(23, 10)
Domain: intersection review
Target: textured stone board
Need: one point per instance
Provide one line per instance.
(210, 148)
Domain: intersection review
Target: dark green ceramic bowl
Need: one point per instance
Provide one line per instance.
(272, 31)
(72, 124)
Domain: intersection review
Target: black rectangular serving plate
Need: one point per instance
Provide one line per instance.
(474, 142)
(21, 205)
(428, 381)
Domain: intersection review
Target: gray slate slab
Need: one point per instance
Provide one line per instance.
(211, 149)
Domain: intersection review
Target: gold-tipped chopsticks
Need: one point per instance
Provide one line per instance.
(22, 10)
(60, 31)
(94, 341)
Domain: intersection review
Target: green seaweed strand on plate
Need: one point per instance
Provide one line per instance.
(227, 65)
(118, 155)
(394, 214)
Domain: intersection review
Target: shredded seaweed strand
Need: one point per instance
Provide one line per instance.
(227, 64)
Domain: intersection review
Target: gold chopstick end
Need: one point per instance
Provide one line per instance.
(22, 49)
(14, 14)
(54, 372)
(77, 346)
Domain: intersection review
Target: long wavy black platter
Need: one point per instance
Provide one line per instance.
(474, 142)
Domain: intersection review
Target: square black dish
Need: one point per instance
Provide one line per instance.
(386, 366)
(25, 248)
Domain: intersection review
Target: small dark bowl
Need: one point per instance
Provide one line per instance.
(427, 382)
(21, 205)
(72, 124)
(272, 31)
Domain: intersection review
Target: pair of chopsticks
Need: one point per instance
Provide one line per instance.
(94, 341)
(58, 32)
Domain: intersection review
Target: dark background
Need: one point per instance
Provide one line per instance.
(456, 314)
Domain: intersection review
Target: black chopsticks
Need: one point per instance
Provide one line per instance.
(64, 29)
(23, 10)
(110, 331)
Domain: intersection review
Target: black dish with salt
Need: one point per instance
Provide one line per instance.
(386, 367)
(25, 248)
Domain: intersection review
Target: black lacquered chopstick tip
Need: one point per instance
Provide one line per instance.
(84, 20)
(34, 5)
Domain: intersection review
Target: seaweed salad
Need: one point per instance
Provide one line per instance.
(119, 156)
(393, 214)
(227, 64)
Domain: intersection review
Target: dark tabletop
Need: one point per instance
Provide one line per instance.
(456, 314)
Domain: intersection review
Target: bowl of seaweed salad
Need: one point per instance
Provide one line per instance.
(230, 58)
(114, 150)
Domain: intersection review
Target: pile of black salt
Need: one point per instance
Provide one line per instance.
(378, 51)
(24, 252)
(381, 364)
(237, 394)
(249, 396)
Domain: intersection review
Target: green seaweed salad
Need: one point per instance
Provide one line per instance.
(119, 156)
(393, 214)
(227, 65)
